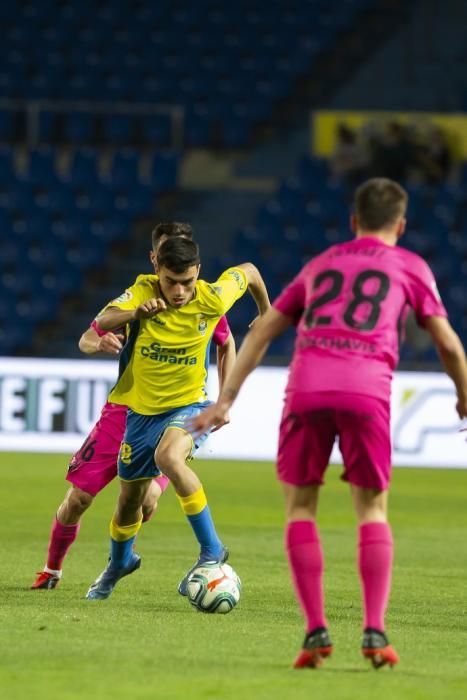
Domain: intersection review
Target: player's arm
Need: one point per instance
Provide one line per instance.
(113, 317)
(256, 287)
(253, 348)
(452, 354)
(226, 354)
(91, 342)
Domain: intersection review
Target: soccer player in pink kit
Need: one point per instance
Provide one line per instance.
(94, 465)
(348, 305)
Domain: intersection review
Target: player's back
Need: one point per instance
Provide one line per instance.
(354, 298)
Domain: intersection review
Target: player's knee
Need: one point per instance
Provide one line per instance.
(131, 501)
(168, 460)
(78, 501)
(132, 496)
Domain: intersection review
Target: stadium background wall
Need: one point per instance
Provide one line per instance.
(324, 127)
(50, 405)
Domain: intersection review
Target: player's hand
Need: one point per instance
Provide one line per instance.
(212, 416)
(150, 308)
(224, 421)
(110, 342)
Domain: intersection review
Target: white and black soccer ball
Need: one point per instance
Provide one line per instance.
(214, 588)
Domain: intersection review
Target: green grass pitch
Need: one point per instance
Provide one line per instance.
(147, 642)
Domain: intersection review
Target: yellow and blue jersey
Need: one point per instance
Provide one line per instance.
(164, 363)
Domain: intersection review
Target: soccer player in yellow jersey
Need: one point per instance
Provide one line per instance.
(94, 465)
(162, 375)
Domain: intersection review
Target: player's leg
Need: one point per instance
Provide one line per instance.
(305, 556)
(375, 553)
(174, 448)
(127, 520)
(64, 531)
(365, 445)
(136, 469)
(375, 556)
(156, 489)
(124, 527)
(306, 438)
(90, 469)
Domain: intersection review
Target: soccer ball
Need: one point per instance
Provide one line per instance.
(214, 588)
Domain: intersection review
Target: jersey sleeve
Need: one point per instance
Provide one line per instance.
(424, 297)
(221, 331)
(291, 301)
(133, 296)
(130, 299)
(230, 286)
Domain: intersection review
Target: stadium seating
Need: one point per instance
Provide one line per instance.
(312, 212)
(224, 66)
(236, 61)
(56, 224)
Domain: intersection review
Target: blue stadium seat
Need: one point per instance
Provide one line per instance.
(19, 199)
(157, 130)
(82, 86)
(7, 126)
(125, 168)
(96, 200)
(35, 308)
(45, 256)
(114, 88)
(198, 129)
(85, 168)
(48, 126)
(10, 253)
(117, 129)
(135, 201)
(72, 227)
(164, 171)
(110, 229)
(7, 167)
(58, 199)
(31, 225)
(89, 255)
(236, 131)
(63, 279)
(20, 281)
(14, 336)
(42, 169)
(79, 128)
(312, 172)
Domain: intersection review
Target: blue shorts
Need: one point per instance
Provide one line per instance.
(143, 434)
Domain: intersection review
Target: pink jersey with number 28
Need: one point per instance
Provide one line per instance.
(350, 305)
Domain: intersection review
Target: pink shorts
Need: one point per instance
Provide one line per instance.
(311, 422)
(95, 464)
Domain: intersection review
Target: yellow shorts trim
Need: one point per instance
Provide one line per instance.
(140, 478)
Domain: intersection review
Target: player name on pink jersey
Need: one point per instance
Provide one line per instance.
(350, 304)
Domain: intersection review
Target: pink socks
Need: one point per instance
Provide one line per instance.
(162, 481)
(306, 564)
(374, 563)
(61, 539)
(375, 566)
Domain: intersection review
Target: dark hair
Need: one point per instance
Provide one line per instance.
(177, 254)
(175, 228)
(379, 203)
